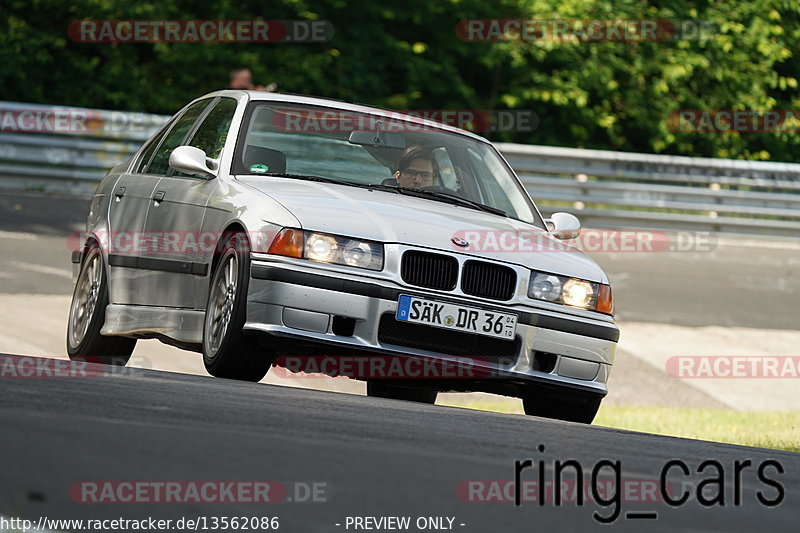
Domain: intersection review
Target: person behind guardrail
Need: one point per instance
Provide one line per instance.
(242, 78)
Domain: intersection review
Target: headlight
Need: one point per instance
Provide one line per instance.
(327, 248)
(571, 291)
(578, 293)
(545, 287)
(359, 254)
(321, 248)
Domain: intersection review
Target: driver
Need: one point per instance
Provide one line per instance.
(418, 168)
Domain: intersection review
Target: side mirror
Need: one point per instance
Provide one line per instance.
(563, 226)
(191, 160)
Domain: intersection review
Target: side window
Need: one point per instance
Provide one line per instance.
(173, 139)
(210, 136)
(148, 152)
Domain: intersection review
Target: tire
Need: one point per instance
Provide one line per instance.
(580, 410)
(227, 351)
(87, 314)
(378, 389)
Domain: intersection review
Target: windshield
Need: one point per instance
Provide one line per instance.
(380, 150)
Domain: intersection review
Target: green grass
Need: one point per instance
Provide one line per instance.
(763, 429)
(775, 430)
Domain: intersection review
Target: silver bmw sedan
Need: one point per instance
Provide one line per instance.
(277, 231)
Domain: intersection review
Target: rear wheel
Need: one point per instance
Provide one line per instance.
(87, 314)
(227, 351)
(580, 410)
(399, 392)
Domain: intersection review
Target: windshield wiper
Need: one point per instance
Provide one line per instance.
(446, 197)
(306, 177)
(437, 195)
(321, 179)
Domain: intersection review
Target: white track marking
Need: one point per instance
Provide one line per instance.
(18, 235)
(42, 269)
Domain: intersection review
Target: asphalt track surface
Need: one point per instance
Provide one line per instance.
(373, 457)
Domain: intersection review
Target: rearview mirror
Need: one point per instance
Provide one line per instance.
(191, 160)
(377, 138)
(563, 226)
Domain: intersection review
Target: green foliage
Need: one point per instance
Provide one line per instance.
(407, 55)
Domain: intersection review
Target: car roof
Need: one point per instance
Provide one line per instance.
(263, 96)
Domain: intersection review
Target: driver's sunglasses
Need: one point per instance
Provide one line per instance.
(423, 174)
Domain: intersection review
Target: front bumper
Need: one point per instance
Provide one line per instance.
(299, 302)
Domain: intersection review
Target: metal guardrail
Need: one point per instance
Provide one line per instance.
(607, 189)
(72, 148)
(603, 188)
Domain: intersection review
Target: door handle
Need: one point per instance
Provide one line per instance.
(158, 197)
(120, 192)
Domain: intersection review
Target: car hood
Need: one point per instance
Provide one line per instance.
(395, 218)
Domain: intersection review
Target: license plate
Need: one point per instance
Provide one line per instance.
(456, 317)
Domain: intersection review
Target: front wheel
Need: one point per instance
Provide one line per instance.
(87, 313)
(581, 410)
(227, 352)
(398, 392)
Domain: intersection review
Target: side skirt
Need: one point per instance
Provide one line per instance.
(183, 326)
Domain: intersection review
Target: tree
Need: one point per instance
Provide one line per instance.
(408, 55)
